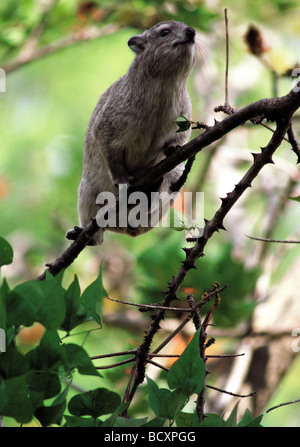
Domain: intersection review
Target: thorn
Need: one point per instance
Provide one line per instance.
(270, 160)
(171, 284)
(221, 227)
(263, 148)
(216, 121)
(224, 200)
(188, 265)
(187, 251)
(255, 155)
(239, 186)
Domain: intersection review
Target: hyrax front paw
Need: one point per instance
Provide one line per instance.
(73, 234)
(171, 149)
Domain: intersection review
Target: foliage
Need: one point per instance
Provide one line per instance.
(19, 20)
(38, 384)
(35, 384)
(28, 379)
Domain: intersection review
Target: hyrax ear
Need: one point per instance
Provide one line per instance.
(137, 43)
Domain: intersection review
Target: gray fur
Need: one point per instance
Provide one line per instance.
(133, 122)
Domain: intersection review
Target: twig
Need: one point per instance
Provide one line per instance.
(150, 306)
(283, 404)
(202, 347)
(223, 356)
(272, 130)
(264, 239)
(113, 365)
(158, 365)
(138, 369)
(293, 142)
(229, 392)
(195, 311)
(113, 354)
(88, 33)
(187, 319)
(227, 59)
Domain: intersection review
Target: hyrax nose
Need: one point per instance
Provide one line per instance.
(190, 33)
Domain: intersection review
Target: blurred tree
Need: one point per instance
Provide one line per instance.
(44, 114)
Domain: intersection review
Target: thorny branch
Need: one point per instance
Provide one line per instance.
(279, 110)
(211, 226)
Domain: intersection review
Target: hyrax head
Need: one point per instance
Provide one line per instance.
(166, 48)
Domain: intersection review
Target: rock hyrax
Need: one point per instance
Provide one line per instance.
(133, 122)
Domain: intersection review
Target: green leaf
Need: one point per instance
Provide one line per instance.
(46, 361)
(156, 396)
(73, 421)
(232, 418)
(75, 311)
(249, 421)
(111, 420)
(184, 419)
(4, 293)
(212, 420)
(54, 413)
(122, 422)
(14, 399)
(6, 252)
(174, 402)
(94, 403)
(49, 354)
(183, 123)
(13, 363)
(43, 385)
(297, 199)
(176, 220)
(156, 422)
(188, 372)
(41, 301)
(76, 357)
(92, 298)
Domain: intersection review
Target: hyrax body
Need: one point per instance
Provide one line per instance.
(133, 122)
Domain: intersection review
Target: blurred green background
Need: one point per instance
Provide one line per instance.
(44, 115)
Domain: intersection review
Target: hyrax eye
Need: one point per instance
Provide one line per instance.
(165, 32)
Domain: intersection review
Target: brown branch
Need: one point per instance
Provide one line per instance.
(157, 365)
(229, 392)
(293, 142)
(88, 33)
(211, 226)
(150, 306)
(227, 59)
(279, 110)
(283, 404)
(274, 109)
(113, 365)
(113, 354)
(281, 241)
